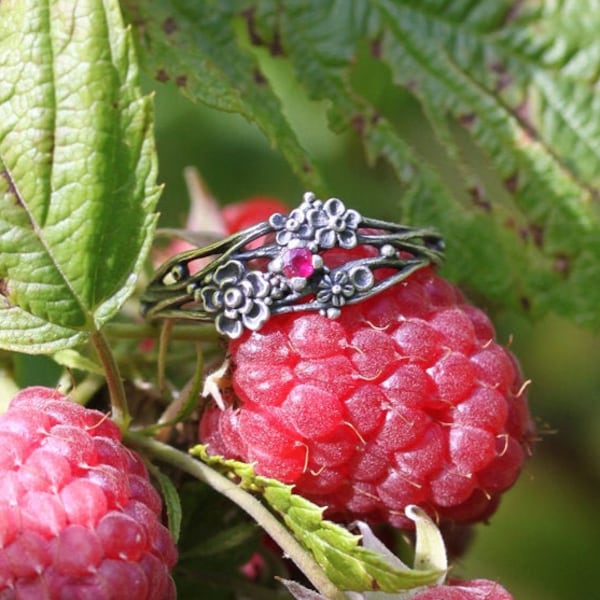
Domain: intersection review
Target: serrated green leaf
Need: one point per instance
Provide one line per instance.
(77, 171)
(21, 331)
(509, 90)
(347, 564)
(196, 45)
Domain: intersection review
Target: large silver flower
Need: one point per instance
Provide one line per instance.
(334, 224)
(238, 298)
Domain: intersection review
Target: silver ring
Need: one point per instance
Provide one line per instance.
(243, 286)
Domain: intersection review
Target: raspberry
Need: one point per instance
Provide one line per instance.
(78, 515)
(405, 399)
(250, 211)
(476, 589)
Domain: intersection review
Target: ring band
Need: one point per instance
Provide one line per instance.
(243, 286)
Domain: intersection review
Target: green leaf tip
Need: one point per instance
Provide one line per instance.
(77, 171)
(348, 565)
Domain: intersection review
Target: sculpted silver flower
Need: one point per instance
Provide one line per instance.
(238, 299)
(336, 288)
(292, 227)
(334, 224)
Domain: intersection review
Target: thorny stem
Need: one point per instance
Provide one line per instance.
(118, 400)
(286, 541)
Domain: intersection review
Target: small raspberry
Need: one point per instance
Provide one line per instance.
(78, 515)
(476, 589)
(405, 399)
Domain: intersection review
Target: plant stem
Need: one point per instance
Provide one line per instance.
(286, 541)
(118, 400)
(140, 331)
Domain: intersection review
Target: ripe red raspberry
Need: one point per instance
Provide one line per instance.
(405, 399)
(250, 211)
(79, 517)
(476, 589)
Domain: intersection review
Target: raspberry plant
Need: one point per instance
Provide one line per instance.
(507, 93)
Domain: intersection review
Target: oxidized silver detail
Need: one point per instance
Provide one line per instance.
(243, 287)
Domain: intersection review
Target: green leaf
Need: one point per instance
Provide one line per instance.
(77, 171)
(172, 502)
(197, 46)
(347, 564)
(72, 359)
(526, 235)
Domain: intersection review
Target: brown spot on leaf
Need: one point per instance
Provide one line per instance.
(467, 119)
(4, 288)
(275, 47)
(513, 11)
(306, 167)
(375, 47)
(510, 183)
(169, 26)
(181, 81)
(479, 198)
(358, 123)
(503, 79)
(537, 234)
(523, 112)
(525, 303)
(11, 187)
(162, 76)
(255, 38)
(258, 77)
(524, 233)
(562, 264)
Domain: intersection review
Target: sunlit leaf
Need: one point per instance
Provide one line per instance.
(77, 171)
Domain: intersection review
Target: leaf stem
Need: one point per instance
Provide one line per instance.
(118, 400)
(205, 332)
(280, 534)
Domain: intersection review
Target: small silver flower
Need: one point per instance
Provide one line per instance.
(335, 289)
(293, 226)
(338, 287)
(238, 298)
(334, 224)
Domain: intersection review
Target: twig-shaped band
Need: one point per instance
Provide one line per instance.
(243, 286)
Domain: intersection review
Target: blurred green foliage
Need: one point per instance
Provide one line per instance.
(541, 544)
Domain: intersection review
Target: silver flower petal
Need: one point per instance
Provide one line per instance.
(347, 238)
(352, 218)
(259, 284)
(228, 326)
(230, 272)
(326, 238)
(257, 316)
(334, 207)
(212, 299)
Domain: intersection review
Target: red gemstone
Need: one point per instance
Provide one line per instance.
(297, 262)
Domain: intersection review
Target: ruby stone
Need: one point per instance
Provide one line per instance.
(297, 262)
